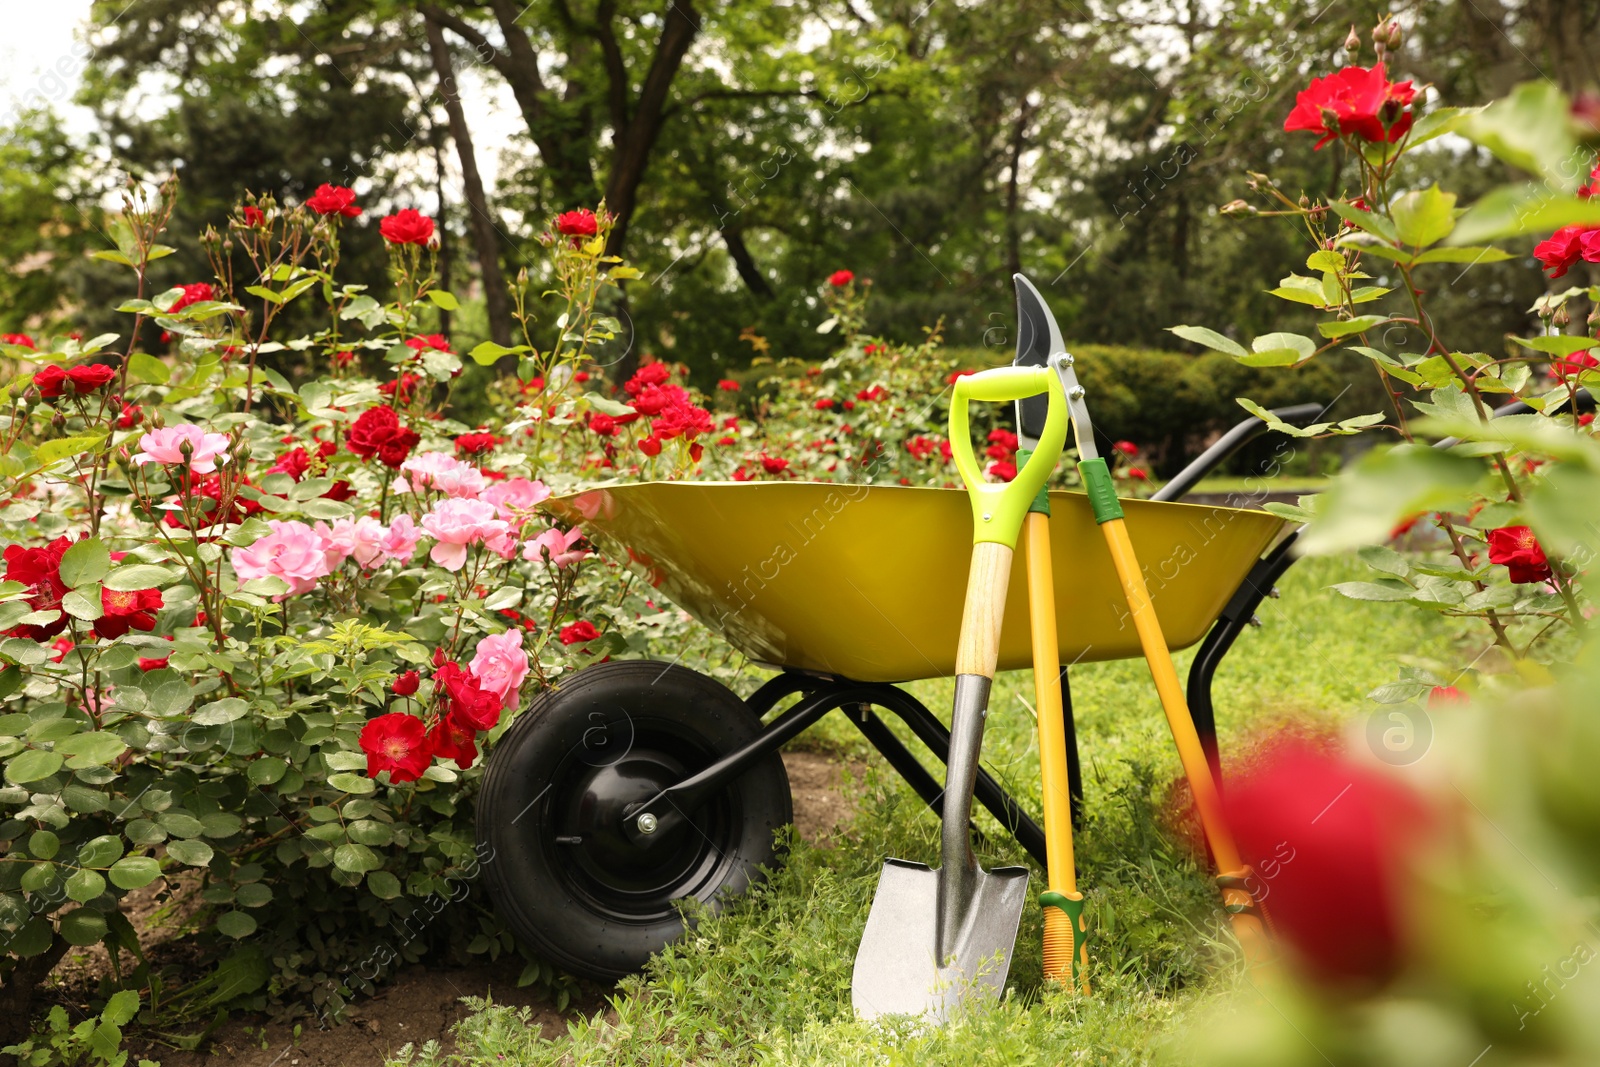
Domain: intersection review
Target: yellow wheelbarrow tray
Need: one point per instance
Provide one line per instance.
(634, 785)
(866, 582)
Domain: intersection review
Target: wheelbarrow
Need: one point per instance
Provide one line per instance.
(637, 785)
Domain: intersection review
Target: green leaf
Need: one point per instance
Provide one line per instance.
(1385, 589)
(1299, 289)
(85, 562)
(269, 295)
(1486, 254)
(31, 766)
(350, 782)
(370, 832)
(488, 352)
(1325, 260)
(191, 853)
(1438, 122)
(266, 770)
(120, 1009)
(1529, 128)
(1376, 225)
(1279, 350)
(253, 895)
(1424, 216)
(100, 851)
(134, 872)
(356, 859)
(1517, 210)
(137, 576)
(443, 300)
(606, 406)
(1557, 344)
(221, 712)
(91, 749)
(82, 926)
(63, 447)
(1346, 327)
(1209, 338)
(236, 924)
(144, 367)
(171, 699)
(383, 885)
(83, 604)
(1366, 502)
(43, 845)
(84, 885)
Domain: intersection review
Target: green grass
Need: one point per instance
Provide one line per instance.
(768, 980)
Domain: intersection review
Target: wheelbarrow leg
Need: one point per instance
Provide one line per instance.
(1074, 770)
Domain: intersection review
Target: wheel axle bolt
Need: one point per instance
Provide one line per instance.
(646, 823)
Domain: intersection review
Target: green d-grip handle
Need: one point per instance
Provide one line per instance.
(998, 510)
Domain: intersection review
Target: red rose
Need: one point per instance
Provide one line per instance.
(403, 387)
(149, 663)
(124, 611)
(647, 375)
(465, 700)
(650, 446)
(91, 378)
(406, 684)
(451, 740)
(253, 216)
(1518, 549)
(1358, 101)
(1138, 474)
(377, 432)
(1005, 441)
(603, 425)
(728, 385)
(1005, 470)
(396, 743)
(49, 380)
(294, 463)
(21, 340)
(472, 444)
(920, 447)
(1127, 448)
(774, 464)
(1311, 825)
(406, 227)
(841, 278)
(61, 646)
(334, 200)
(1445, 695)
(196, 293)
(824, 404)
(944, 451)
(340, 491)
(577, 224)
(129, 417)
(39, 569)
(955, 375)
(1561, 250)
(877, 392)
(579, 633)
(432, 340)
(1573, 365)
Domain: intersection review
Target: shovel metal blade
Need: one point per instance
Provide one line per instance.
(901, 968)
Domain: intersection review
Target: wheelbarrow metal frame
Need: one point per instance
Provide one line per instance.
(821, 693)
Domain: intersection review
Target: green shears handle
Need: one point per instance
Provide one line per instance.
(998, 509)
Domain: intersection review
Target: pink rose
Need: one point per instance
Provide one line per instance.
(399, 543)
(165, 446)
(338, 541)
(445, 473)
(500, 665)
(516, 497)
(557, 545)
(293, 551)
(456, 524)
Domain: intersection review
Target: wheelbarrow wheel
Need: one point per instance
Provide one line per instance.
(571, 884)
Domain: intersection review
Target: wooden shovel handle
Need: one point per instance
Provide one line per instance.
(987, 580)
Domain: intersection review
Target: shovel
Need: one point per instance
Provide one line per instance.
(937, 940)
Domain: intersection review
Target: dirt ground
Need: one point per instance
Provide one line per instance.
(423, 1003)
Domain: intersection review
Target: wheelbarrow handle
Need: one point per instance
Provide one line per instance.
(997, 510)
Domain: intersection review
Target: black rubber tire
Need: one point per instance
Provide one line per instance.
(600, 908)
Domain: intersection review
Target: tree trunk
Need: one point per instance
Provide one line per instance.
(754, 280)
(444, 232)
(631, 154)
(481, 223)
(16, 995)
